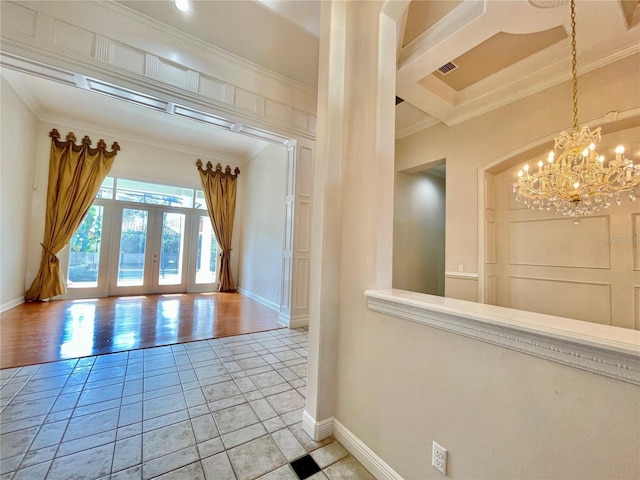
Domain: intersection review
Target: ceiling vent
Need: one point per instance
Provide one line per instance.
(447, 68)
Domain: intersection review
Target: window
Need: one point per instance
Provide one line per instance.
(141, 237)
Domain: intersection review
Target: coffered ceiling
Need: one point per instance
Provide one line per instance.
(496, 51)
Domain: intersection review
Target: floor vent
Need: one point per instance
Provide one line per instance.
(447, 68)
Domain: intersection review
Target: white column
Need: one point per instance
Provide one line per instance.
(353, 207)
(325, 263)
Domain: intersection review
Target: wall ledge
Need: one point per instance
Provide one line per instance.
(601, 349)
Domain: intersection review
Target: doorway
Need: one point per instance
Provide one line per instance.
(150, 254)
(419, 229)
(135, 248)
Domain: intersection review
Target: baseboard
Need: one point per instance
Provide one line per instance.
(317, 430)
(284, 320)
(367, 457)
(12, 303)
(259, 299)
(299, 321)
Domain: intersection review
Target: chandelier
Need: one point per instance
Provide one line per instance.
(575, 179)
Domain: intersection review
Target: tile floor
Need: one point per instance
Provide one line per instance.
(228, 408)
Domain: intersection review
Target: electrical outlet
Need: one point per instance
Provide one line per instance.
(439, 457)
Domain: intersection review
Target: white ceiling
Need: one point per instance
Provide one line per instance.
(305, 13)
(273, 34)
(281, 35)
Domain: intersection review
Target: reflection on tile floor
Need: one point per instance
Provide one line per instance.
(229, 408)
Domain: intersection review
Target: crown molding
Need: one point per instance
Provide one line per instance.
(600, 349)
(110, 28)
(416, 127)
(524, 87)
(483, 98)
(196, 45)
(36, 59)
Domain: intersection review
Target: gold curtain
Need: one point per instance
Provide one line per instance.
(220, 195)
(75, 175)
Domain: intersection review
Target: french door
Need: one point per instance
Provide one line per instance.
(151, 253)
(126, 248)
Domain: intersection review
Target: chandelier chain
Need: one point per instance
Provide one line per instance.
(574, 67)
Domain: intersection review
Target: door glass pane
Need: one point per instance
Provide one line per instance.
(207, 252)
(133, 243)
(84, 251)
(171, 248)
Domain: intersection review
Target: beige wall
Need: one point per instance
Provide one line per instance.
(135, 160)
(418, 233)
(585, 269)
(482, 140)
(261, 229)
(17, 163)
(398, 386)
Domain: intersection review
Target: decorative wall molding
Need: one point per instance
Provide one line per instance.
(599, 349)
(208, 78)
(462, 275)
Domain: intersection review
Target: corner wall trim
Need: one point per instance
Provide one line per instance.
(299, 321)
(317, 430)
(600, 349)
(367, 457)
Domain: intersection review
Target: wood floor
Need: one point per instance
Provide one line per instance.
(59, 329)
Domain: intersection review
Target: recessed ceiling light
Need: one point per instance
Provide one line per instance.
(182, 5)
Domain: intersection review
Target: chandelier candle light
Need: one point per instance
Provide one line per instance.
(576, 180)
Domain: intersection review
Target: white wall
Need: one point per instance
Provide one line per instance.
(398, 386)
(135, 160)
(262, 225)
(17, 163)
(418, 233)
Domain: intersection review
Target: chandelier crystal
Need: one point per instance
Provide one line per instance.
(575, 179)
